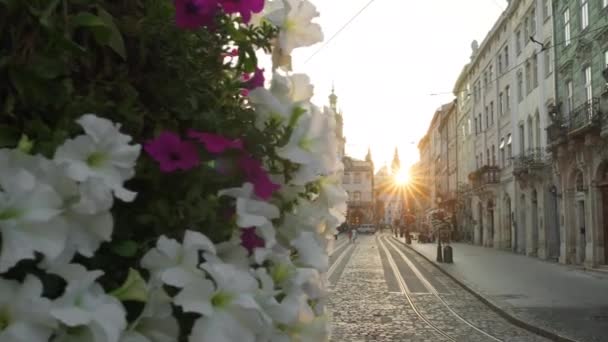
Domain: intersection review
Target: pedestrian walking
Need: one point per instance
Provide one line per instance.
(350, 235)
(354, 235)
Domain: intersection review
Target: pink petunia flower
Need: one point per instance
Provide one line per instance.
(172, 153)
(244, 7)
(256, 80)
(255, 174)
(214, 143)
(192, 14)
(250, 240)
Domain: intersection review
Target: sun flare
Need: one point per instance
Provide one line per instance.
(402, 177)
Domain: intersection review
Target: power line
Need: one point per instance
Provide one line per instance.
(544, 48)
(339, 31)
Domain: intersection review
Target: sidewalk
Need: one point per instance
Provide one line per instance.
(560, 298)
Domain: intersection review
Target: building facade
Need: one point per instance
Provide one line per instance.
(578, 133)
(531, 134)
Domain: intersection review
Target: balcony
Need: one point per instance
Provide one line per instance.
(359, 204)
(530, 165)
(484, 176)
(584, 117)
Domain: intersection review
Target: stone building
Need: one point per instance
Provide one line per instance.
(390, 199)
(578, 133)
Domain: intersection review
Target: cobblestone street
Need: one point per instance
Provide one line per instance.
(383, 292)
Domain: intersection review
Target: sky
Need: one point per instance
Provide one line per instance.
(388, 61)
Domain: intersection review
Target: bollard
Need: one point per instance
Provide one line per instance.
(408, 239)
(439, 252)
(447, 255)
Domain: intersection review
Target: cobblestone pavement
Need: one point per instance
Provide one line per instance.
(366, 305)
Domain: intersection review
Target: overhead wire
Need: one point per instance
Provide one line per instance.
(326, 43)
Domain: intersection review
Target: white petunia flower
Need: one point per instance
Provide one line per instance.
(24, 313)
(250, 211)
(310, 251)
(156, 323)
(296, 28)
(30, 218)
(176, 264)
(96, 316)
(102, 153)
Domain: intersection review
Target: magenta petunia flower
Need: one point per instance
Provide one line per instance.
(256, 80)
(192, 14)
(255, 174)
(250, 240)
(172, 153)
(244, 7)
(215, 143)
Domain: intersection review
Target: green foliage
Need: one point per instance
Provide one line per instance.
(128, 62)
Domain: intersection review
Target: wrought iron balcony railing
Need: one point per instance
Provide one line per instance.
(485, 175)
(533, 158)
(585, 115)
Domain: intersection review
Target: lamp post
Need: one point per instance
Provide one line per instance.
(438, 230)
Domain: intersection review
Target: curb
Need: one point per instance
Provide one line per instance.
(495, 307)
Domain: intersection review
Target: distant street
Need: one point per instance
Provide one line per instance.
(382, 291)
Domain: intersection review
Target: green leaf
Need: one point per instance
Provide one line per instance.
(9, 136)
(126, 248)
(134, 288)
(44, 18)
(87, 19)
(115, 41)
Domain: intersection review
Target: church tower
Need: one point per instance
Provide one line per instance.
(333, 105)
(396, 164)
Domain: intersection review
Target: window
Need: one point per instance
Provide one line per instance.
(548, 60)
(500, 104)
(528, 76)
(509, 149)
(491, 75)
(346, 179)
(507, 97)
(522, 139)
(518, 41)
(488, 157)
(535, 70)
(493, 155)
(485, 79)
(569, 99)
(520, 86)
(357, 178)
(567, 27)
(584, 14)
(530, 133)
(479, 121)
(500, 63)
(507, 55)
(606, 54)
(526, 30)
(487, 113)
(501, 147)
(588, 86)
(476, 130)
(357, 196)
(537, 130)
(469, 125)
(533, 22)
(491, 112)
(604, 3)
(547, 9)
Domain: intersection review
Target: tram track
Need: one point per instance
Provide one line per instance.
(387, 246)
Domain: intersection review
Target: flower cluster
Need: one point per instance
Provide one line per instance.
(265, 282)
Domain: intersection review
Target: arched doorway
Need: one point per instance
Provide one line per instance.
(480, 213)
(602, 178)
(490, 223)
(534, 217)
(521, 227)
(580, 217)
(552, 225)
(508, 230)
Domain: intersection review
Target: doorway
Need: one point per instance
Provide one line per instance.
(521, 229)
(582, 238)
(490, 224)
(480, 212)
(534, 216)
(508, 231)
(604, 191)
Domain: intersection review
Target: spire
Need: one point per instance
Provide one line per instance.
(396, 164)
(333, 99)
(368, 157)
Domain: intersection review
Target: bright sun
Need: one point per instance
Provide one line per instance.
(402, 177)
